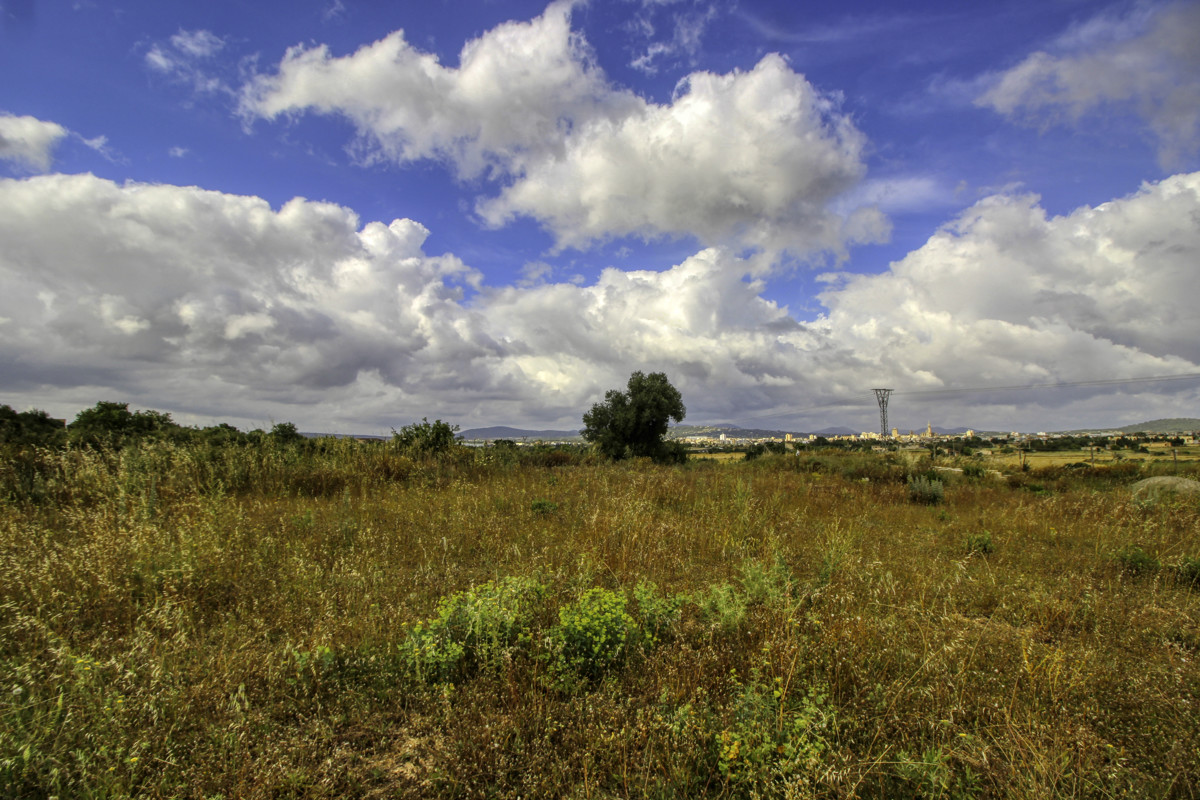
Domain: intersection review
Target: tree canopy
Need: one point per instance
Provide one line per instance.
(30, 427)
(425, 438)
(634, 422)
(113, 424)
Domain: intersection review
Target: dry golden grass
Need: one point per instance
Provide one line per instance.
(718, 456)
(162, 636)
(1156, 453)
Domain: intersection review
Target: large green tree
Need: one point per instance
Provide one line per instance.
(425, 438)
(113, 424)
(634, 422)
(30, 427)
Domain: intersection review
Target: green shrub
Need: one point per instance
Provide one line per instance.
(544, 507)
(922, 489)
(975, 471)
(723, 606)
(593, 634)
(764, 448)
(931, 775)
(1133, 560)
(1188, 572)
(310, 667)
(658, 615)
(768, 584)
(776, 740)
(980, 543)
(424, 438)
(474, 629)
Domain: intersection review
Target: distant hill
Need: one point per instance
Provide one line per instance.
(505, 432)
(1174, 425)
(677, 431)
(715, 429)
(731, 431)
(313, 435)
(836, 430)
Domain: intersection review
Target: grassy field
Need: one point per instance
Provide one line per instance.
(1155, 453)
(346, 621)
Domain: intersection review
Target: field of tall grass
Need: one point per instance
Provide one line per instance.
(343, 620)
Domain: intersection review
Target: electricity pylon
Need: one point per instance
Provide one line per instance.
(881, 396)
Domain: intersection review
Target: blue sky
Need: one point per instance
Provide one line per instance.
(352, 215)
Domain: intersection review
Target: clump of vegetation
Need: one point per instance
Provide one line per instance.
(657, 614)
(930, 774)
(1133, 560)
(723, 606)
(424, 438)
(769, 584)
(633, 423)
(473, 629)
(923, 489)
(30, 427)
(762, 448)
(980, 543)
(974, 471)
(543, 507)
(776, 741)
(594, 633)
(1188, 572)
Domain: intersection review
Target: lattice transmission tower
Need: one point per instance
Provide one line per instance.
(881, 396)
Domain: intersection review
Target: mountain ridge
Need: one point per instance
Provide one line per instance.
(1165, 425)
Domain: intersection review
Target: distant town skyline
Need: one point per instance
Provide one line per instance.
(352, 216)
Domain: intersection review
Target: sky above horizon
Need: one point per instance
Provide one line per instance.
(353, 215)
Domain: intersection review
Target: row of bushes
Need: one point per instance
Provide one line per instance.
(149, 470)
(483, 628)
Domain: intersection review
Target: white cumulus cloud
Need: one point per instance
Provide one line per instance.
(219, 306)
(179, 286)
(1148, 63)
(1005, 295)
(753, 158)
(29, 142)
(515, 89)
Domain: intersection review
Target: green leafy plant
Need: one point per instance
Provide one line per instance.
(544, 507)
(472, 630)
(930, 775)
(776, 738)
(311, 667)
(1188, 572)
(723, 606)
(766, 583)
(1133, 560)
(922, 489)
(980, 543)
(658, 614)
(424, 438)
(593, 633)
